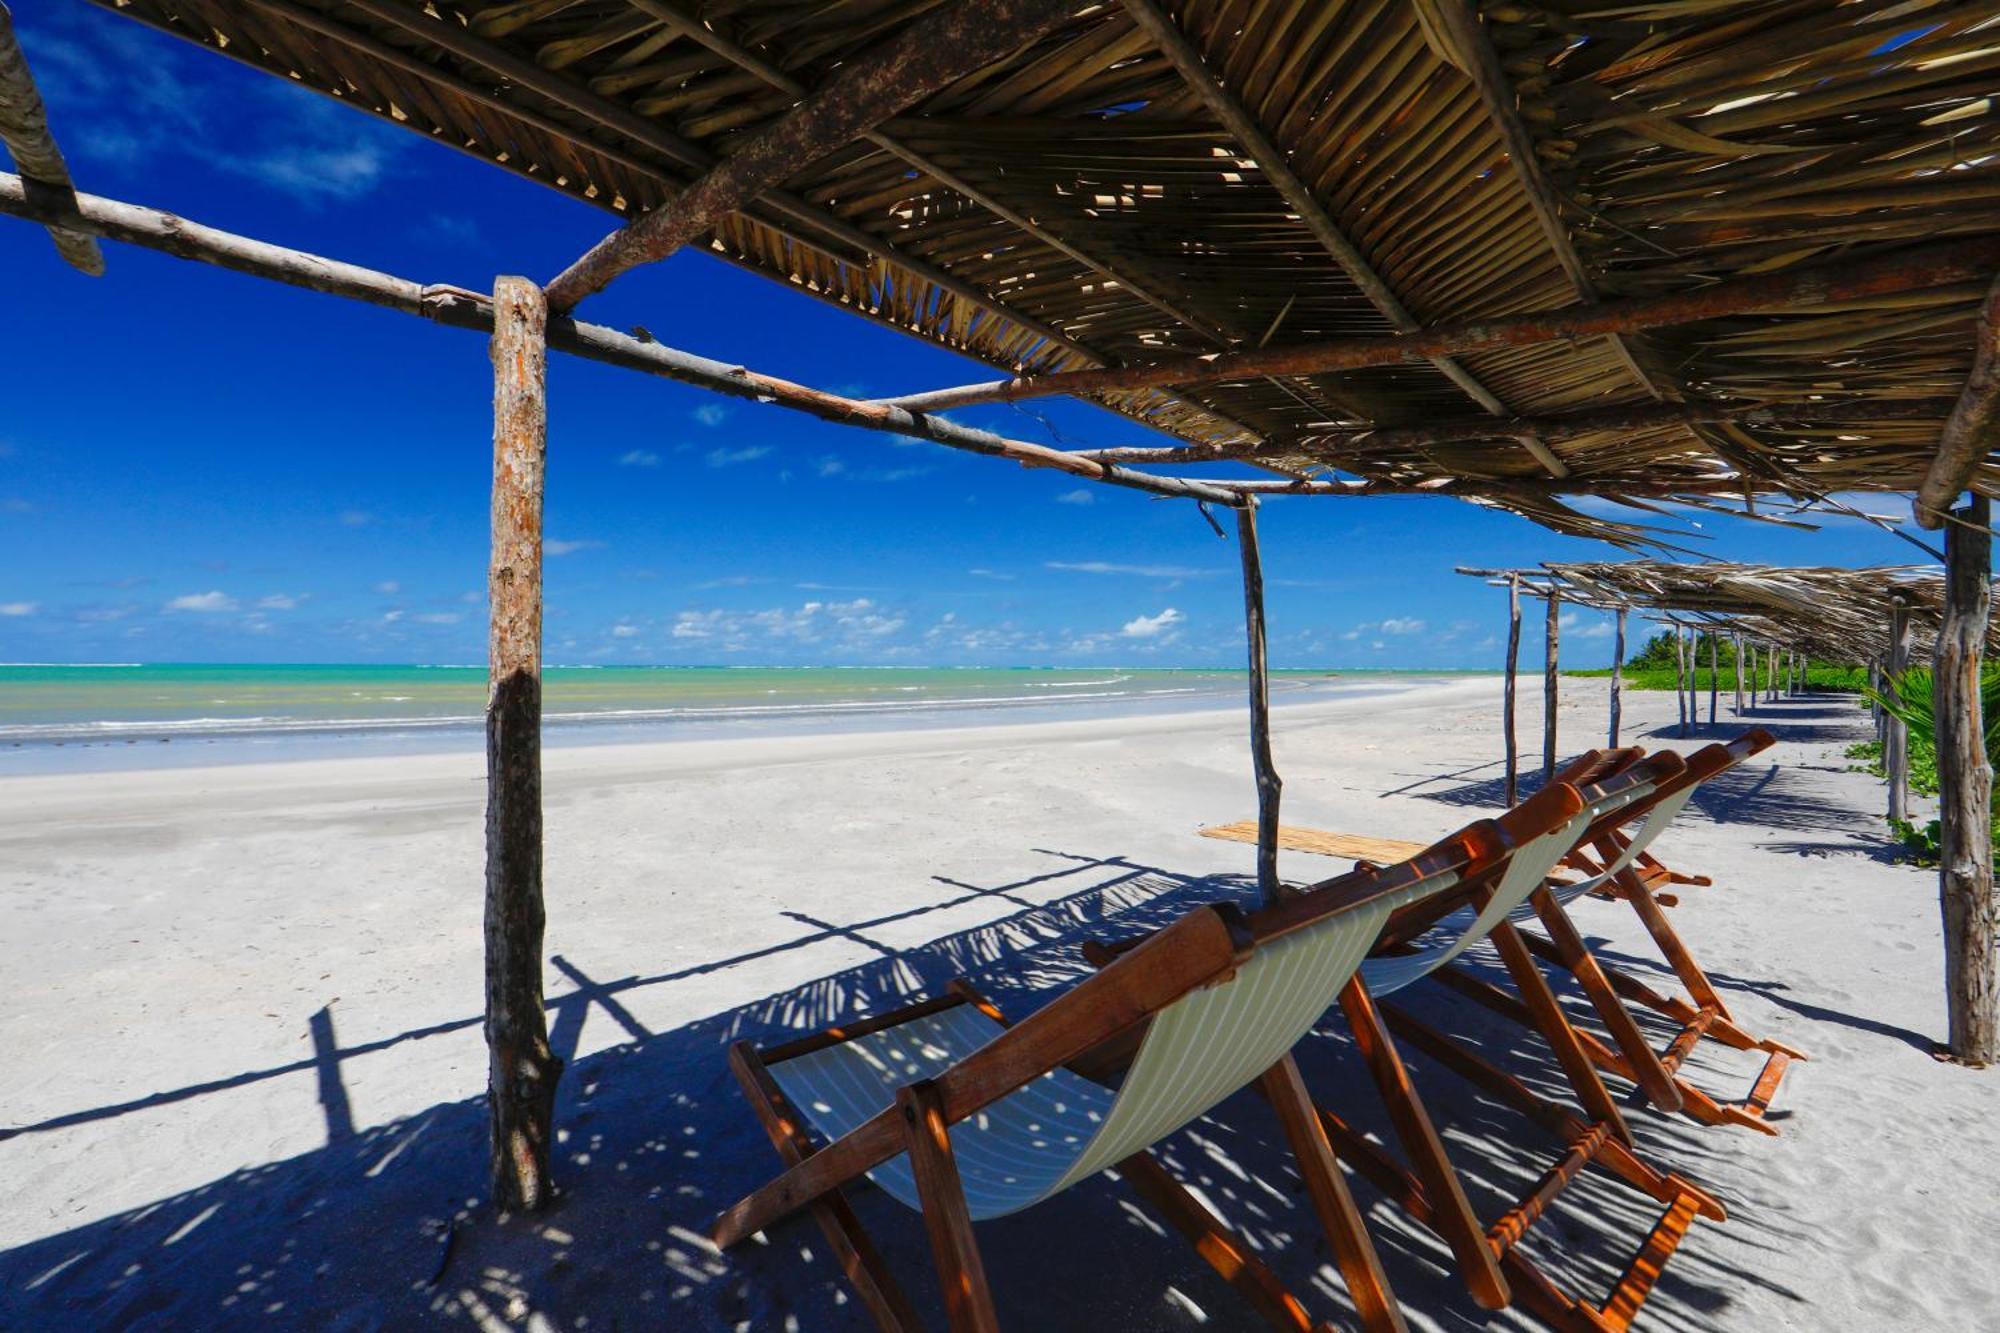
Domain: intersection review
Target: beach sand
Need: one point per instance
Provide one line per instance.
(244, 1065)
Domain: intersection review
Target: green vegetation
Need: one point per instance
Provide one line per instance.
(1911, 698)
(1652, 668)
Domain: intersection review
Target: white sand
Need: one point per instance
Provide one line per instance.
(176, 1157)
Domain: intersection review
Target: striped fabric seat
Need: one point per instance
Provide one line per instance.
(1530, 865)
(1062, 1128)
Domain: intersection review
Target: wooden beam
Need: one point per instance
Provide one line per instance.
(1507, 699)
(1917, 268)
(1973, 431)
(522, 1071)
(459, 308)
(1617, 677)
(1273, 163)
(1965, 794)
(933, 52)
(1552, 633)
(1269, 785)
(1714, 676)
(1736, 641)
(1680, 676)
(1896, 738)
(24, 128)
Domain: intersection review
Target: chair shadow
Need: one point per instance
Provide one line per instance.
(387, 1225)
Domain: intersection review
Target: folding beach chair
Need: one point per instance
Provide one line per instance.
(1615, 861)
(956, 1114)
(1421, 943)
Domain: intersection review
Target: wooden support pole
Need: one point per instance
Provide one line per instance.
(24, 128)
(1269, 786)
(1507, 699)
(1714, 676)
(522, 1071)
(1920, 268)
(936, 50)
(1617, 677)
(454, 306)
(1552, 632)
(1680, 678)
(1965, 793)
(1896, 737)
(1736, 642)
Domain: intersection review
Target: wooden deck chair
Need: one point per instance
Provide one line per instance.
(958, 1115)
(1614, 861)
(1495, 1271)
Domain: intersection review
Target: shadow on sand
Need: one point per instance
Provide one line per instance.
(385, 1226)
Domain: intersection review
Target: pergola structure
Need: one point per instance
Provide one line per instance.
(1510, 254)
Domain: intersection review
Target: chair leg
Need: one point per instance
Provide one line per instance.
(1574, 956)
(1699, 987)
(1451, 1212)
(856, 1253)
(1555, 1028)
(968, 1302)
(1355, 1253)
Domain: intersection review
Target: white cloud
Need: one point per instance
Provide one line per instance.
(203, 601)
(391, 617)
(1080, 496)
(1402, 625)
(624, 631)
(711, 414)
(555, 547)
(731, 457)
(1140, 571)
(639, 458)
(850, 625)
(281, 601)
(990, 574)
(438, 618)
(19, 608)
(831, 467)
(388, 587)
(1153, 627)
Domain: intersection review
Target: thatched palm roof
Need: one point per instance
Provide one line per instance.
(1098, 198)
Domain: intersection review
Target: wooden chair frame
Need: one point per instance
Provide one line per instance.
(1702, 1014)
(1087, 1029)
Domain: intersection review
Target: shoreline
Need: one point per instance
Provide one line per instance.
(201, 743)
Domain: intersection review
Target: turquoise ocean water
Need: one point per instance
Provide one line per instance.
(266, 708)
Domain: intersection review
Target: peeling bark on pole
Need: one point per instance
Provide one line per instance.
(1896, 738)
(1965, 794)
(24, 128)
(1618, 678)
(1714, 676)
(522, 1071)
(1268, 784)
(1736, 641)
(1549, 690)
(1507, 700)
(1973, 430)
(1680, 679)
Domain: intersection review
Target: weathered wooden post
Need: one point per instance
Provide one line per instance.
(1680, 677)
(1269, 786)
(1714, 677)
(1549, 687)
(1736, 642)
(521, 1070)
(1507, 701)
(1965, 793)
(1617, 677)
(1895, 736)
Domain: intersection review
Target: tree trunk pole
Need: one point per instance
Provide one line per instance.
(1680, 679)
(1549, 687)
(1507, 700)
(522, 1072)
(1896, 737)
(1269, 786)
(1736, 642)
(1965, 793)
(1714, 676)
(1617, 677)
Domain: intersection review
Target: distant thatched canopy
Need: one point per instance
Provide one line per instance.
(1839, 614)
(1156, 180)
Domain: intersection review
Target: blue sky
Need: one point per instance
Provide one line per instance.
(199, 466)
